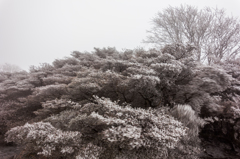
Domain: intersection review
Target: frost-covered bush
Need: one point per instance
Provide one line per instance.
(56, 79)
(49, 91)
(115, 131)
(68, 70)
(179, 50)
(8, 110)
(199, 92)
(46, 140)
(55, 106)
(14, 85)
(106, 52)
(59, 63)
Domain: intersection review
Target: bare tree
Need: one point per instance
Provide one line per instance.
(9, 68)
(215, 35)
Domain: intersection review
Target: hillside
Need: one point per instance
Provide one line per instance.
(130, 104)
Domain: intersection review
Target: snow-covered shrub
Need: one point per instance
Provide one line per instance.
(46, 140)
(179, 50)
(56, 79)
(90, 151)
(50, 91)
(55, 106)
(68, 70)
(8, 110)
(127, 128)
(15, 85)
(115, 131)
(59, 63)
(106, 52)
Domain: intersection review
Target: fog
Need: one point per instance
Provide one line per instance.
(33, 32)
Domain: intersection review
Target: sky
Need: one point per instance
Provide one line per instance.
(40, 31)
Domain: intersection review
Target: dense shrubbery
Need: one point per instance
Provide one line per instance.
(163, 100)
(117, 130)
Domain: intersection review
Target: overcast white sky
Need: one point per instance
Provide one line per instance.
(38, 31)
